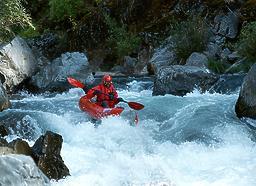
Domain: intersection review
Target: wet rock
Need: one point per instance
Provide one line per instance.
(20, 170)
(4, 100)
(20, 146)
(3, 131)
(246, 103)
(180, 80)
(3, 143)
(46, 152)
(228, 83)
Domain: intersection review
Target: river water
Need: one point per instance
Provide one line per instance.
(195, 140)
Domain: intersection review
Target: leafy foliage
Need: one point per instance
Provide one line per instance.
(119, 39)
(190, 36)
(63, 9)
(247, 42)
(12, 15)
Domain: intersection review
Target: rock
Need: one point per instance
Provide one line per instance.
(46, 152)
(227, 25)
(4, 100)
(3, 131)
(246, 103)
(17, 63)
(144, 56)
(180, 80)
(129, 65)
(54, 76)
(20, 170)
(162, 56)
(213, 50)
(198, 60)
(228, 83)
(20, 146)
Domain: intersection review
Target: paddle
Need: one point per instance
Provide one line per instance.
(133, 105)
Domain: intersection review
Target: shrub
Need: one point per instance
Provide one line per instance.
(120, 40)
(64, 9)
(189, 36)
(217, 66)
(246, 45)
(12, 15)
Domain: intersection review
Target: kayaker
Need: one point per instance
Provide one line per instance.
(105, 92)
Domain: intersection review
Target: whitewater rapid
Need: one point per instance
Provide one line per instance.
(195, 140)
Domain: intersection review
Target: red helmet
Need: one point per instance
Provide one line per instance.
(107, 80)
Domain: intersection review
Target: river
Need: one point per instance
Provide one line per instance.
(195, 140)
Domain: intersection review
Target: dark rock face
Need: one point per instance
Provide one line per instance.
(180, 80)
(3, 131)
(20, 147)
(246, 103)
(228, 83)
(46, 152)
(4, 100)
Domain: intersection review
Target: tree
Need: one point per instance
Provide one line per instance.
(12, 15)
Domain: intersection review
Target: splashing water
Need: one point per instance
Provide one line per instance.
(195, 140)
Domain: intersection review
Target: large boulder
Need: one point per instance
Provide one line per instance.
(246, 103)
(162, 56)
(20, 170)
(180, 80)
(198, 60)
(46, 152)
(54, 76)
(17, 63)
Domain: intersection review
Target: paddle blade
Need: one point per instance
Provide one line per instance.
(75, 82)
(135, 105)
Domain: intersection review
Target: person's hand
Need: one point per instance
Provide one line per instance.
(111, 96)
(97, 92)
(120, 99)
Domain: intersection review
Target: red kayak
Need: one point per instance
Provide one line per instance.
(96, 111)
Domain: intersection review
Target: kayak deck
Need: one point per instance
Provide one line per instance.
(96, 111)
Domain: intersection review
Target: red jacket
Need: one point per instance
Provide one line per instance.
(103, 97)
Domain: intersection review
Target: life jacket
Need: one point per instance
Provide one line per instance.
(104, 96)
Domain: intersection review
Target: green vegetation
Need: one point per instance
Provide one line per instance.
(64, 9)
(121, 41)
(189, 36)
(217, 66)
(29, 32)
(12, 16)
(246, 45)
